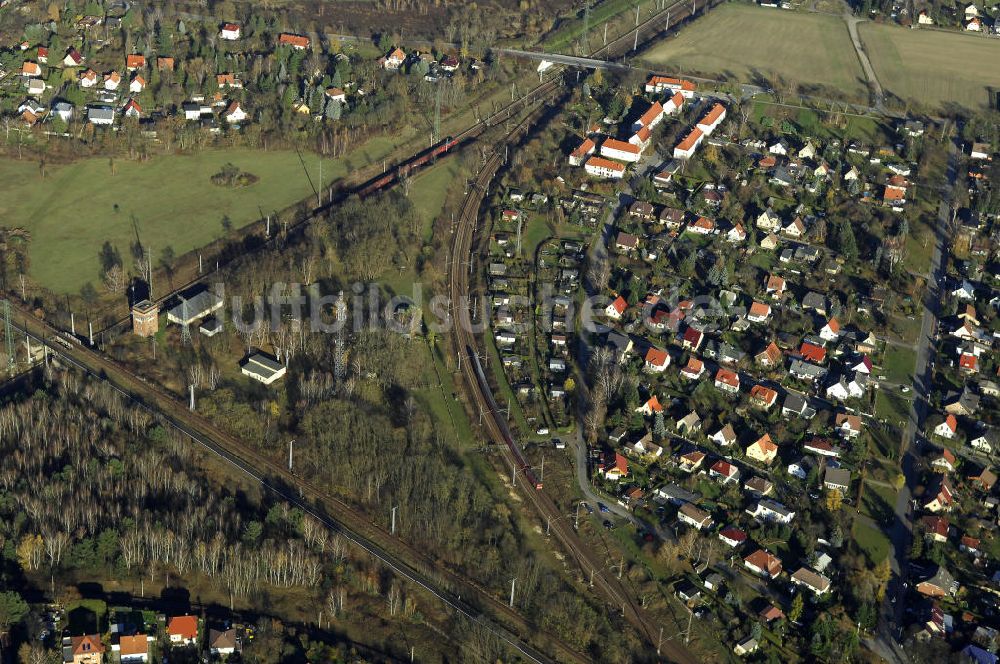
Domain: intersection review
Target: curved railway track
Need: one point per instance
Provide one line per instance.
(463, 245)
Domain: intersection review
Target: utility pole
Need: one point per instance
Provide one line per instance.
(621, 566)
(393, 530)
(576, 522)
(659, 641)
(586, 28)
(191, 405)
(605, 34)
(90, 325)
(290, 443)
(72, 323)
(635, 44)
(512, 581)
(637, 16)
(548, 524)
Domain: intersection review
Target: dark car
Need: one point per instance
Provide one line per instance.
(609, 525)
(603, 508)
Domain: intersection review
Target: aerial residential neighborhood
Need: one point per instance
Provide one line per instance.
(434, 332)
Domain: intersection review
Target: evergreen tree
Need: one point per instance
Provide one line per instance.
(795, 613)
(659, 428)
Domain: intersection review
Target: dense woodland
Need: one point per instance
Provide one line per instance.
(92, 488)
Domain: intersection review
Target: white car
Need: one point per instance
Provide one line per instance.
(542, 431)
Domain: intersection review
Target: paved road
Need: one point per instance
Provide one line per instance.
(893, 614)
(852, 28)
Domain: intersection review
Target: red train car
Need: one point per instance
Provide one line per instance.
(407, 167)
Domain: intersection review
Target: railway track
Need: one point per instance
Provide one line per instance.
(463, 246)
(678, 12)
(453, 590)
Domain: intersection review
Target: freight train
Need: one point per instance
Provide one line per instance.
(519, 460)
(428, 155)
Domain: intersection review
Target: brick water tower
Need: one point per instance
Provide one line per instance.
(145, 318)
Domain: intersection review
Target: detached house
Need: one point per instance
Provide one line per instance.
(617, 469)
(806, 578)
(724, 471)
(763, 564)
(948, 428)
(759, 312)
(694, 516)
(694, 369)
(830, 331)
(763, 397)
(770, 356)
(725, 436)
(763, 450)
(229, 32)
(940, 494)
(183, 629)
(616, 309)
(727, 381)
(657, 360)
(298, 42)
(86, 649)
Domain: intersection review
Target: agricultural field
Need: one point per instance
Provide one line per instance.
(167, 201)
(750, 43)
(932, 67)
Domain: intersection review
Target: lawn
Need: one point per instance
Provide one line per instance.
(748, 43)
(872, 542)
(429, 190)
(898, 363)
(891, 406)
(933, 67)
(166, 201)
(878, 502)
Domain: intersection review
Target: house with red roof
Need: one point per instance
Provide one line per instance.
(674, 104)
(732, 536)
(689, 144)
(651, 406)
(693, 369)
(135, 61)
(968, 363)
(651, 118)
(657, 360)
(936, 527)
(617, 308)
(712, 119)
(941, 495)
(944, 462)
(663, 83)
(763, 563)
(612, 148)
(702, 226)
(759, 312)
(770, 356)
(132, 649)
(298, 42)
(812, 353)
(763, 397)
(724, 471)
(948, 428)
(830, 331)
(86, 649)
(183, 629)
(692, 339)
(604, 168)
(582, 151)
(727, 381)
(229, 32)
(616, 469)
(763, 450)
